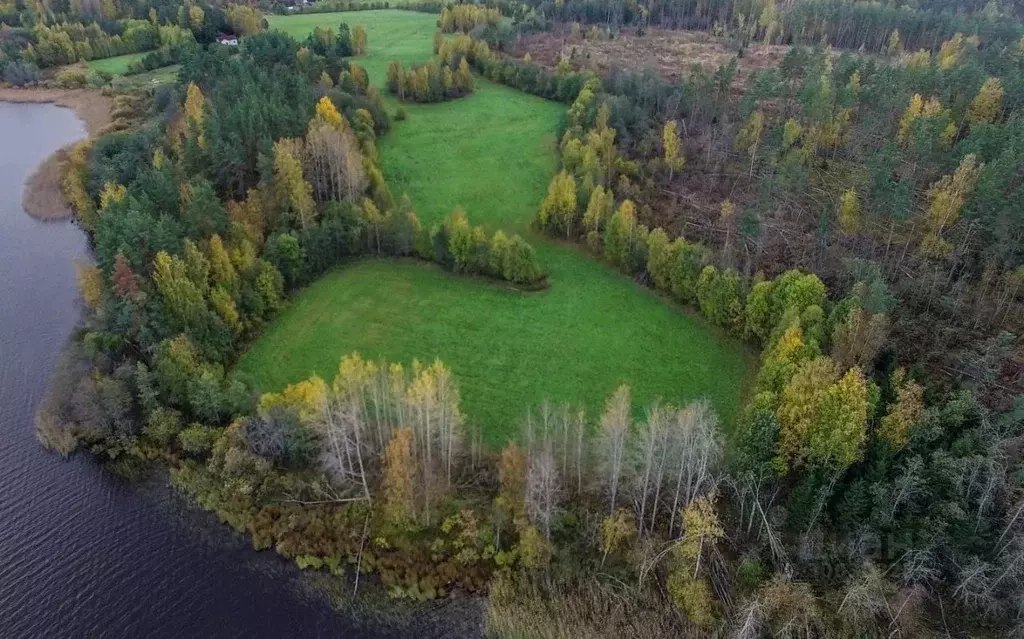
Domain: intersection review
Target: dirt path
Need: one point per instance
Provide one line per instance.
(43, 197)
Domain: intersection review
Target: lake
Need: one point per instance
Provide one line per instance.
(84, 553)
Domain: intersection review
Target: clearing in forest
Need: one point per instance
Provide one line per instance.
(491, 153)
(670, 53)
(117, 65)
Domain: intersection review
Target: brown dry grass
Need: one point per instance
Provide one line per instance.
(43, 197)
(671, 54)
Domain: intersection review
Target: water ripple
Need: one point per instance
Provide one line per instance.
(83, 554)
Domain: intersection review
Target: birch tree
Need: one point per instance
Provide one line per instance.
(341, 426)
(649, 454)
(432, 408)
(696, 451)
(615, 424)
(543, 490)
(333, 161)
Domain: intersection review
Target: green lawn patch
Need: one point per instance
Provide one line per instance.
(118, 65)
(406, 36)
(492, 153)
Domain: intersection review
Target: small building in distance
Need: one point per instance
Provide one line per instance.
(229, 40)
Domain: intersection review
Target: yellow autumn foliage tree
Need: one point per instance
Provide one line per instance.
(822, 416)
(907, 410)
(917, 108)
(986, 105)
(306, 398)
(220, 262)
(849, 211)
(558, 210)
(326, 110)
(293, 192)
(112, 193)
(195, 112)
(749, 137)
(90, 284)
(670, 141)
(398, 481)
(945, 202)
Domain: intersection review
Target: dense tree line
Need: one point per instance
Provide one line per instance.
(467, 17)
(432, 81)
(335, 6)
(68, 43)
(839, 23)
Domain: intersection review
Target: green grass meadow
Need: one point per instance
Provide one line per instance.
(406, 36)
(117, 65)
(491, 153)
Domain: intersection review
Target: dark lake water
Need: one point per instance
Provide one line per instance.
(82, 552)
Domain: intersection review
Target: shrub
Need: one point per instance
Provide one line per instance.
(71, 79)
(198, 439)
(720, 296)
(520, 264)
(401, 115)
(97, 79)
(21, 73)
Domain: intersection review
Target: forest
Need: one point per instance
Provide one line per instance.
(853, 216)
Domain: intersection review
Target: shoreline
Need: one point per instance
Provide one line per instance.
(43, 196)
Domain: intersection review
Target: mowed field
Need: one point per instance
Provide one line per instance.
(491, 153)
